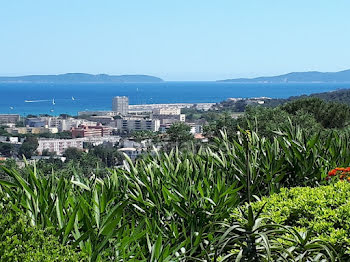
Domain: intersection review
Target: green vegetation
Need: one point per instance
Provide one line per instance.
(313, 115)
(59, 135)
(201, 203)
(168, 203)
(97, 160)
(3, 131)
(28, 147)
(324, 211)
(179, 134)
(7, 149)
(21, 242)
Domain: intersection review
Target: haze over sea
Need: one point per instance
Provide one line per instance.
(71, 98)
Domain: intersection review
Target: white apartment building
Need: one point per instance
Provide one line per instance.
(58, 146)
(120, 105)
(128, 125)
(97, 113)
(65, 124)
(9, 118)
(95, 141)
(167, 111)
(195, 128)
(169, 119)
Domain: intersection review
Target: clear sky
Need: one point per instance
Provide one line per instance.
(174, 39)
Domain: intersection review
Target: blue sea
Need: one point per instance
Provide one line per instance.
(71, 98)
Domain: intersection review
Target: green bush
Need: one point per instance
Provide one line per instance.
(325, 211)
(22, 242)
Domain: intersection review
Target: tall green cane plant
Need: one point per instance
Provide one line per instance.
(253, 238)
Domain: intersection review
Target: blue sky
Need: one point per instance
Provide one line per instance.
(175, 40)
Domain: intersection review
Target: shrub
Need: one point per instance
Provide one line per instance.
(324, 211)
(21, 242)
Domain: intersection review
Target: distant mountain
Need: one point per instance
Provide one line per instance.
(81, 78)
(298, 77)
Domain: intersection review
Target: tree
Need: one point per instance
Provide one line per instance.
(142, 135)
(328, 114)
(224, 122)
(179, 134)
(46, 152)
(73, 153)
(29, 146)
(6, 149)
(108, 155)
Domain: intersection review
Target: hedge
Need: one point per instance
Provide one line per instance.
(324, 210)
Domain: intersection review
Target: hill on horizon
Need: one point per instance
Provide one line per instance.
(298, 77)
(81, 78)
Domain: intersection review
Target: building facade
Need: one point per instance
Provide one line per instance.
(167, 111)
(9, 118)
(31, 130)
(97, 113)
(120, 105)
(169, 119)
(58, 146)
(35, 122)
(90, 131)
(128, 125)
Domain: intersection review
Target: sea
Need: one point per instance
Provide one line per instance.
(55, 99)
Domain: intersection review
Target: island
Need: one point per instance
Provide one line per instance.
(81, 78)
(298, 77)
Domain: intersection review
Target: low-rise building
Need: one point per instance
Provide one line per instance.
(169, 119)
(58, 146)
(104, 120)
(195, 128)
(66, 124)
(62, 124)
(31, 130)
(9, 118)
(35, 122)
(95, 141)
(11, 139)
(97, 113)
(167, 111)
(128, 125)
(90, 131)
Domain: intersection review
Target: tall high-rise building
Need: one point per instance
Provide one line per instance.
(120, 105)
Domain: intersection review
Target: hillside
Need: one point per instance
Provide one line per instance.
(82, 78)
(298, 77)
(340, 96)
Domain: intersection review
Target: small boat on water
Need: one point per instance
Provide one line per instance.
(35, 101)
(53, 101)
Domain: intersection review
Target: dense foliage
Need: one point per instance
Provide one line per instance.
(169, 205)
(21, 242)
(313, 115)
(324, 211)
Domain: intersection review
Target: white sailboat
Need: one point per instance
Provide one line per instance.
(73, 98)
(53, 101)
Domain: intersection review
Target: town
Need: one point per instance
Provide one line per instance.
(118, 127)
(129, 128)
